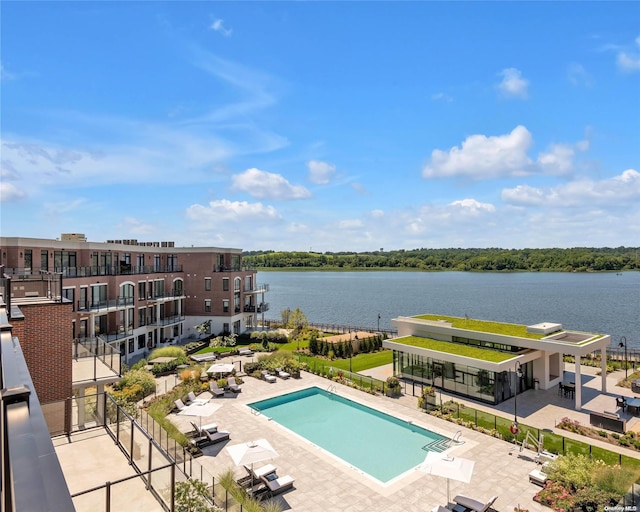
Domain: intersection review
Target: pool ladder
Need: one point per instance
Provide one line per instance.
(332, 389)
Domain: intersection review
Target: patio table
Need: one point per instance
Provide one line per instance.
(634, 405)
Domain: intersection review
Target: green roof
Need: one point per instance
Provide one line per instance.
(484, 326)
(473, 352)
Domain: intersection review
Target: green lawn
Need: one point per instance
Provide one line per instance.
(482, 354)
(358, 362)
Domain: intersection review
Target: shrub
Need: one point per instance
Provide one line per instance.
(140, 377)
(172, 351)
(393, 382)
(193, 496)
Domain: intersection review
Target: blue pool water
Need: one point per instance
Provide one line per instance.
(376, 443)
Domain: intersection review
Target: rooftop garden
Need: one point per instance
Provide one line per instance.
(470, 324)
(473, 352)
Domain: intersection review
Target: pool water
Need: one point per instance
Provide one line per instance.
(376, 443)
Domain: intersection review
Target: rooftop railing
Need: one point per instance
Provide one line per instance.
(93, 270)
(32, 478)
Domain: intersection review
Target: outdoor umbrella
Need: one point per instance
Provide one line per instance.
(202, 410)
(248, 453)
(439, 464)
(221, 368)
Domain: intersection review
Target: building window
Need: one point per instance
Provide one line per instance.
(225, 328)
(142, 290)
(156, 263)
(225, 306)
(207, 305)
(69, 293)
(44, 260)
(140, 262)
(207, 284)
(225, 284)
(172, 262)
(236, 284)
(131, 349)
(28, 259)
(141, 340)
(142, 317)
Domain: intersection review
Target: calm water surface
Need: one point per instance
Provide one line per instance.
(605, 303)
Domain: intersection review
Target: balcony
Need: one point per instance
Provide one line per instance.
(167, 320)
(261, 308)
(91, 271)
(233, 268)
(172, 295)
(95, 361)
(105, 305)
(259, 288)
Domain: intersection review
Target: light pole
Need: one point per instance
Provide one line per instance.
(350, 352)
(378, 322)
(515, 398)
(623, 343)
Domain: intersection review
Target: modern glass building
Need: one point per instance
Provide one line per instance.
(489, 361)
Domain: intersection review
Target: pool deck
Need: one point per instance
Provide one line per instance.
(324, 483)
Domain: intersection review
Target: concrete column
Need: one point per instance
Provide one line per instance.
(100, 412)
(603, 363)
(578, 398)
(80, 401)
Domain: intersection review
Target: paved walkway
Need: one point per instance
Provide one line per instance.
(324, 483)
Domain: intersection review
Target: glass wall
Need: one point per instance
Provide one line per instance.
(478, 384)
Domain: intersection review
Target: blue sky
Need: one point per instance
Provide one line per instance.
(328, 126)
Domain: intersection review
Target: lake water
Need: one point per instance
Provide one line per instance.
(605, 303)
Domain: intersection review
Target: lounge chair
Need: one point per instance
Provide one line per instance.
(211, 438)
(212, 428)
(191, 397)
(245, 352)
(254, 475)
(277, 484)
(179, 405)
(470, 504)
(215, 390)
(282, 374)
(267, 376)
(233, 385)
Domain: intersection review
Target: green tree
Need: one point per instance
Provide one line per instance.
(193, 496)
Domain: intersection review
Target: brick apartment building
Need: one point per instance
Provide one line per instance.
(133, 296)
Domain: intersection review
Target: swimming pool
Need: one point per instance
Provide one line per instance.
(376, 443)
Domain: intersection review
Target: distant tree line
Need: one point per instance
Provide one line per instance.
(578, 259)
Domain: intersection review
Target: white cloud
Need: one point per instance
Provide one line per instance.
(583, 192)
(473, 207)
(5, 75)
(217, 212)
(578, 75)
(441, 96)
(136, 227)
(350, 224)
(263, 184)
(629, 60)
(513, 85)
(9, 192)
(482, 157)
(558, 160)
(320, 172)
(218, 26)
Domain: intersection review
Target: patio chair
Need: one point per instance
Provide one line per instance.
(277, 484)
(470, 504)
(215, 390)
(179, 405)
(282, 374)
(245, 352)
(212, 438)
(191, 397)
(267, 376)
(212, 428)
(258, 473)
(621, 402)
(233, 385)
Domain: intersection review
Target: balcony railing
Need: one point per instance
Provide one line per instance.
(99, 350)
(118, 303)
(167, 320)
(233, 268)
(27, 458)
(259, 288)
(90, 271)
(262, 307)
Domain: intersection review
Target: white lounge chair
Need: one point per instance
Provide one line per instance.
(211, 428)
(215, 390)
(282, 374)
(194, 400)
(268, 377)
(277, 484)
(245, 352)
(179, 405)
(258, 473)
(474, 505)
(233, 385)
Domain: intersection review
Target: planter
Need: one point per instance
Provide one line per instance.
(393, 392)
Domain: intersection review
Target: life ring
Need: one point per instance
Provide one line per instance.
(514, 428)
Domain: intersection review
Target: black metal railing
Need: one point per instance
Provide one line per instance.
(100, 351)
(93, 270)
